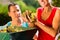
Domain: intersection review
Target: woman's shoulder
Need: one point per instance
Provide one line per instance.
(39, 8)
(57, 13)
(9, 23)
(5, 26)
(58, 8)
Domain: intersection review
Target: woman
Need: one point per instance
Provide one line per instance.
(48, 20)
(17, 19)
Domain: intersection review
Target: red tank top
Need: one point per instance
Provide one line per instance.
(43, 35)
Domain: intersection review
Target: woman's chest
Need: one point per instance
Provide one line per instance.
(45, 15)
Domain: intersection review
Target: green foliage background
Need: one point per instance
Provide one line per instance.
(31, 5)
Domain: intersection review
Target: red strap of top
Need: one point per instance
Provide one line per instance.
(39, 11)
(50, 19)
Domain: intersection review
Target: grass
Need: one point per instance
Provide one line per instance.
(3, 9)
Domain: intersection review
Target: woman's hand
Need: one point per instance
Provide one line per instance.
(35, 37)
(38, 23)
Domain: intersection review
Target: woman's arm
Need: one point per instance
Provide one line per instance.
(50, 30)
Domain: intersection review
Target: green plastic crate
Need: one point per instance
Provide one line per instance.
(4, 36)
(27, 34)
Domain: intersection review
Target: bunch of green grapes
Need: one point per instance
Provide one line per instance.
(33, 17)
(14, 29)
(3, 30)
(18, 29)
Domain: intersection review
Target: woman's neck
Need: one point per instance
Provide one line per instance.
(48, 8)
(48, 5)
(16, 22)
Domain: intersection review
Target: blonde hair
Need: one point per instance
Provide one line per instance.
(50, 1)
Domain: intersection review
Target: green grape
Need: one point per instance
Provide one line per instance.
(33, 15)
(4, 30)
